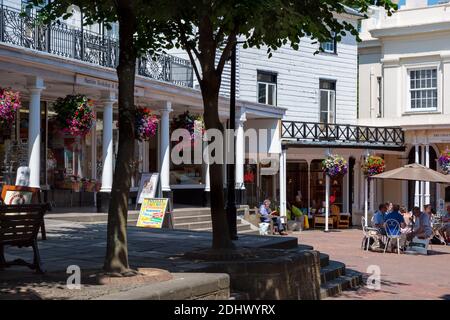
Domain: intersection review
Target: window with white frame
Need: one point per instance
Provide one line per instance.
(267, 88)
(327, 101)
(423, 89)
(330, 46)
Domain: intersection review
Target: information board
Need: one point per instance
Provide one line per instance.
(153, 211)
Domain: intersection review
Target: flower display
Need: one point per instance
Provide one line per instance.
(146, 124)
(193, 123)
(74, 114)
(9, 104)
(334, 166)
(373, 165)
(444, 161)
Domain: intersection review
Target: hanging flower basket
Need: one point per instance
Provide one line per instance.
(373, 165)
(74, 114)
(146, 124)
(334, 166)
(193, 123)
(444, 161)
(9, 104)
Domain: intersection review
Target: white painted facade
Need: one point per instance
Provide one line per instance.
(396, 56)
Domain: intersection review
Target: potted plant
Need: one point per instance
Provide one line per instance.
(193, 123)
(334, 166)
(373, 165)
(9, 104)
(74, 114)
(146, 124)
(444, 161)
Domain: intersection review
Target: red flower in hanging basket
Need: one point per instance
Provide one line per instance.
(74, 114)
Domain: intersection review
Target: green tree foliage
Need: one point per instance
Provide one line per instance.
(206, 29)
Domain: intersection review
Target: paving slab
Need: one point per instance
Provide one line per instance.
(402, 276)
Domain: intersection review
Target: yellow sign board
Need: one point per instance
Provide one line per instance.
(152, 213)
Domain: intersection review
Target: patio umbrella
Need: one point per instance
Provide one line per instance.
(414, 172)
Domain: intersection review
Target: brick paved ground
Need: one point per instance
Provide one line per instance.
(402, 277)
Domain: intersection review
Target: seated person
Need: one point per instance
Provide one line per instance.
(445, 229)
(422, 226)
(396, 216)
(379, 218)
(265, 212)
(407, 216)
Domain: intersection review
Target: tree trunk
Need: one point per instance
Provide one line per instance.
(220, 231)
(116, 260)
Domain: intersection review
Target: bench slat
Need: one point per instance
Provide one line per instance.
(26, 216)
(9, 224)
(15, 230)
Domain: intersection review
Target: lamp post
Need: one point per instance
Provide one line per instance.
(231, 169)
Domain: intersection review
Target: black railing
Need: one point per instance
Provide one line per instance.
(66, 41)
(341, 133)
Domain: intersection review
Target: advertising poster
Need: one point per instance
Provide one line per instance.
(152, 213)
(147, 186)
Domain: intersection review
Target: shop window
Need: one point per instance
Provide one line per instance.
(191, 173)
(297, 184)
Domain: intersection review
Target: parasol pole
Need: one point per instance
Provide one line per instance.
(366, 193)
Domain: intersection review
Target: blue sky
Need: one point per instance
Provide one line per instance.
(429, 2)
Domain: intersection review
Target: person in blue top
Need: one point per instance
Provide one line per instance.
(397, 216)
(378, 218)
(391, 229)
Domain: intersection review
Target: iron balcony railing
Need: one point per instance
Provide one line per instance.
(76, 43)
(341, 133)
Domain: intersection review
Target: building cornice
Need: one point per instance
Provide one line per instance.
(408, 30)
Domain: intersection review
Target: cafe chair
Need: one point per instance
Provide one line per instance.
(369, 233)
(393, 232)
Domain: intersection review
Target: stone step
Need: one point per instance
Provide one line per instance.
(177, 213)
(351, 280)
(189, 219)
(198, 226)
(324, 260)
(88, 217)
(332, 271)
(240, 227)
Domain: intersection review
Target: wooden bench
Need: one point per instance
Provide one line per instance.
(19, 227)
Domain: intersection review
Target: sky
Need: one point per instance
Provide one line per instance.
(402, 2)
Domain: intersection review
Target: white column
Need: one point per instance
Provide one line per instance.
(327, 194)
(240, 152)
(107, 148)
(366, 196)
(422, 183)
(327, 200)
(283, 185)
(372, 194)
(346, 193)
(357, 186)
(206, 169)
(417, 185)
(427, 164)
(309, 186)
(35, 87)
(165, 147)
